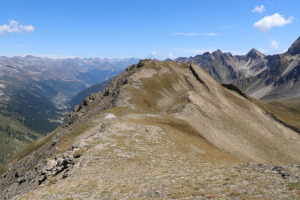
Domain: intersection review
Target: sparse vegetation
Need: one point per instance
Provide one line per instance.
(294, 186)
(14, 137)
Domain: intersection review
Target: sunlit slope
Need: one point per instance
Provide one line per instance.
(154, 123)
(227, 120)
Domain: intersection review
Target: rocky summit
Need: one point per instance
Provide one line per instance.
(162, 130)
(295, 48)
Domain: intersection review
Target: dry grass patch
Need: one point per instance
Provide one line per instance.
(234, 193)
(119, 111)
(211, 196)
(30, 149)
(294, 186)
(67, 140)
(283, 111)
(188, 137)
(150, 92)
(79, 152)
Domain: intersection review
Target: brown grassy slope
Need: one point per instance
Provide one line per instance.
(135, 159)
(173, 120)
(218, 115)
(226, 119)
(286, 111)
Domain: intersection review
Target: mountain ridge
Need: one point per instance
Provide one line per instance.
(150, 116)
(259, 75)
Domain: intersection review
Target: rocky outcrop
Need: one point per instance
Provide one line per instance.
(21, 181)
(236, 89)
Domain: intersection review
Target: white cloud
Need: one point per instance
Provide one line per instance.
(210, 34)
(259, 9)
(271, 21)
(274, 44)
(155, 54)
(171, 56)
(14, 27)
(195, 34)
(192, 34)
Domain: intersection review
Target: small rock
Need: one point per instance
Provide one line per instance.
(75, 146)
(286, 175)
(278, 168)
(58, 170)
(66, 174)
(51, 164)
(60, 161)
(260, 165)
(76, 108)
(21, 180)
(109, 116)
(42, 179)
(44, 171)
(103, 128)
(69, 159)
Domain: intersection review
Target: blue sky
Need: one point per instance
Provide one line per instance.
(140, 28)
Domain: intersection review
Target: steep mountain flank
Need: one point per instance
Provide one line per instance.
(260, 76)
(14, 137)
(159, 130)
(87, 92)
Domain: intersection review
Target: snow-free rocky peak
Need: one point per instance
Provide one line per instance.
(254, 54)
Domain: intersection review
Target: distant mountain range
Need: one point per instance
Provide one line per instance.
(34, 93)
(58, 80)
(259, 75)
